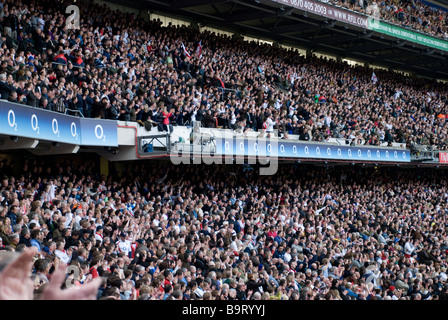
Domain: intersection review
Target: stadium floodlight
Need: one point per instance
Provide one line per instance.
(14, 138)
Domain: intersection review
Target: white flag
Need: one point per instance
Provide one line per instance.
(199, 50)
(185, 51)
(374, 78)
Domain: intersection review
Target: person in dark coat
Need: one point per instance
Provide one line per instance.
(209, 120)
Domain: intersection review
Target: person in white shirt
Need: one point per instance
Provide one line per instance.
(40, 22)
(51, 190)
(409, 248)
(79, 214)
(123, 244)
(63, 255)
(287, 257)
(69, 218)
(193, 114)
(270, 126)
(199, 292)
(235, 244)
(250, 242)
(35, 220)
(99, 234)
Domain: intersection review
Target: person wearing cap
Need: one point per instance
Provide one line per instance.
(391, 292)
(46, 252)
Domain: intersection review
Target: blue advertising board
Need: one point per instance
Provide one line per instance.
(250, 147)
(25, 121)
(96, 132)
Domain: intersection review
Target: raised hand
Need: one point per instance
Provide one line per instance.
(53, 289)
(15, 280)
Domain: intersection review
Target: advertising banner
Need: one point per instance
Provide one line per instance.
(366, 22)
(301, 150)
(25, 121)
(327, 11)
(97, 132)
(408, 35)
(443, 157)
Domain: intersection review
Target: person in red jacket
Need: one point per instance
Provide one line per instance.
(166, 119)
(60, 58)
(94, 266)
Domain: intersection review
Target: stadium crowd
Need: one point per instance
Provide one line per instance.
(158, 231)
(119, 66)
(412, 14)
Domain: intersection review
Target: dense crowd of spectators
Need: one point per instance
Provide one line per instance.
(119, 66)
(412, 14)
(157, 231)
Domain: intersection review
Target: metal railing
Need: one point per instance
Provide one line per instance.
(72, 112)
(424, 153)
